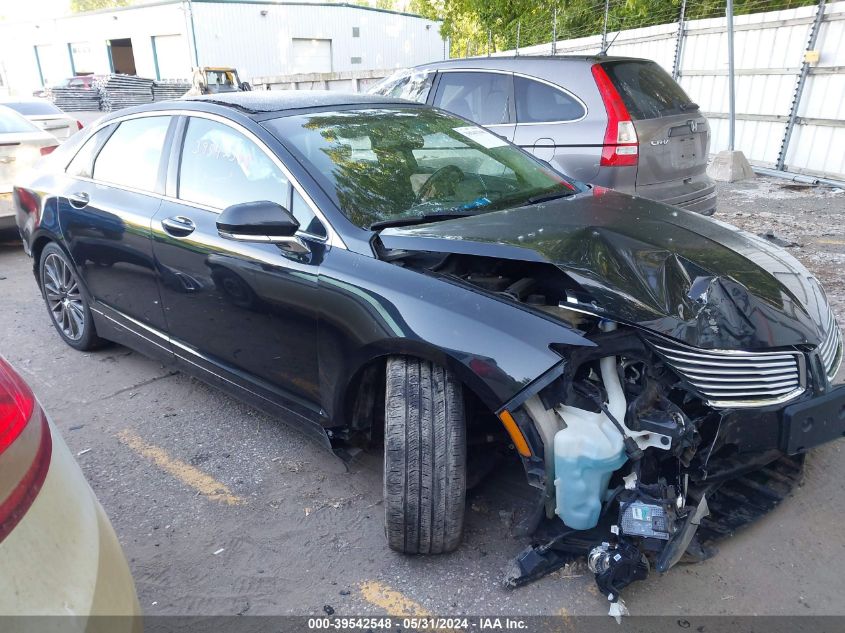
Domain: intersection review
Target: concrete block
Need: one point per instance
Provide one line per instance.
(730, 166)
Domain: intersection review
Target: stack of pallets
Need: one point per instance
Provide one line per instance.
(74, 99)
(166, 90)
(123, 91)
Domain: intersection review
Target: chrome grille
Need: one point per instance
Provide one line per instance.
(728, 378)
(830, 349)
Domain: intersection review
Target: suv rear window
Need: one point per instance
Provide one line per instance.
(649, 92)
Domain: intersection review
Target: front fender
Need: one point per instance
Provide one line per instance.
(370, 309)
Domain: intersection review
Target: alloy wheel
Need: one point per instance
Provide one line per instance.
(61, 288)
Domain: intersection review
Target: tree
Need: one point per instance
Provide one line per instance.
(77, 6)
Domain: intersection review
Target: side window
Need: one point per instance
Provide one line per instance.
(131, 157)
(414, 87)
(537, 102)
(221, 167)
(479, 97)
(82, 165)
(308, 222)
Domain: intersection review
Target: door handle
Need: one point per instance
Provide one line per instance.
(178, 226)
(79, 200)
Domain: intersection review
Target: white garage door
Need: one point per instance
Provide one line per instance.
(172, 56)
(311, 56)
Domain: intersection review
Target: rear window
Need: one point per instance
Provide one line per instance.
(13, 123)
(33, 108)
(649, 92)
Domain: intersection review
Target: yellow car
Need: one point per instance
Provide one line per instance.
(58, 552)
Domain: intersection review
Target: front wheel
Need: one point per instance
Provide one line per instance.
(424, 458)
(66, 303)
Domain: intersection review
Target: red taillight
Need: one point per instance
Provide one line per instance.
(27, 200)
(48, 150)
(79, 125)
(25, 448)
(621, 147)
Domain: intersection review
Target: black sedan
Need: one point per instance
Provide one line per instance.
(381, 271)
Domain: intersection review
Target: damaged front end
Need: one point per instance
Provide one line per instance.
(647, 462)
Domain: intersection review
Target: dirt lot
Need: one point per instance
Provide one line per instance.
(224, 510)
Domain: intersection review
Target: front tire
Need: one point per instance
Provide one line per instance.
(65, 299)
(424, 458)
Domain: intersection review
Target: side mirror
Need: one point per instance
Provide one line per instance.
(246, 86)
(262, 219)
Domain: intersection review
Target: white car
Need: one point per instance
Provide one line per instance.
(22, 143)
(45, 115)
(59, 555)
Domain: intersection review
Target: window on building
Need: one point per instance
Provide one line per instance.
(356, 31)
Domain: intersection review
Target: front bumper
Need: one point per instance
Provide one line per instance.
(810, 423)
(63, 558)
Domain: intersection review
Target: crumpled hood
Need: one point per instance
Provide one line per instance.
(675, 272)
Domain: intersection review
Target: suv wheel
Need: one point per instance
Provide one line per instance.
(424, 458)
(65, 300)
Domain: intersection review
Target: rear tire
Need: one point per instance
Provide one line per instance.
(424, 458)
(66, 301)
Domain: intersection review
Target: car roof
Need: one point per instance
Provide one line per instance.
(512, 61)
(263, 101)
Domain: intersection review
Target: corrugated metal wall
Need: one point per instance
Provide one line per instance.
(769, 51)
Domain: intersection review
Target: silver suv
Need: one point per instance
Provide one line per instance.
(619, 122)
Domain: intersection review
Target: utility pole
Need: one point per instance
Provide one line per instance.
(489, 41)
(518, 28)
(730, 165)
(554, 31)
(731, 95)
(679, 42)
(604, 26)
(799, 88)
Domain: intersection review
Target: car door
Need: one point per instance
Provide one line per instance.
(243, 311)
(107, 198)
(483, 97)
(550, 123)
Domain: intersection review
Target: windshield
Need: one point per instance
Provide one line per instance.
(382, 165)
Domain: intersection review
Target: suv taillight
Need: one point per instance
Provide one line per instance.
(25, 448)
(621, 147)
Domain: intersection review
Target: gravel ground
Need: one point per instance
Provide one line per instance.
(301, 531)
